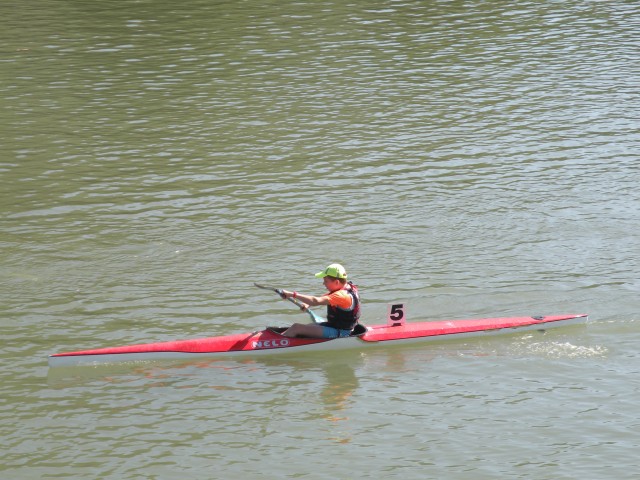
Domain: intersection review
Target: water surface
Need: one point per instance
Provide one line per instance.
(466, 158)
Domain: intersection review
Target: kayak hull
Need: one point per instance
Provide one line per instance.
(271, 342)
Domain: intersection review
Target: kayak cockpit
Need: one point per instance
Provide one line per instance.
(358, 331)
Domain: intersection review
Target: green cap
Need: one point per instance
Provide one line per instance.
(334, 270)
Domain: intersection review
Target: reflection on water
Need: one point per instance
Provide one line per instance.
(342, 382)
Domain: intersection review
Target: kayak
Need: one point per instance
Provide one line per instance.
(270, 341)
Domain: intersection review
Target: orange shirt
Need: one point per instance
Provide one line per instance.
(340, 299)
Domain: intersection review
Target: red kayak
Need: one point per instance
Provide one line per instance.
(270, 341)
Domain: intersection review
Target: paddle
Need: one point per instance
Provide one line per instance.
(300, 305)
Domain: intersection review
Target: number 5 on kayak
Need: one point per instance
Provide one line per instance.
(396, 315)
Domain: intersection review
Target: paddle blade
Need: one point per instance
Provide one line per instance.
(273, 289)
(267, 287)
(316, 318)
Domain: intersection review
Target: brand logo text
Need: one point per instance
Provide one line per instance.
(271, 343)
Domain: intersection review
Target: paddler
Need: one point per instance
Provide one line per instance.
(342, 301)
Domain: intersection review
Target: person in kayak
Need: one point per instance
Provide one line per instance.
(342, 301)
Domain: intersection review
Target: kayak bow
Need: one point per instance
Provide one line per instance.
(270, 340)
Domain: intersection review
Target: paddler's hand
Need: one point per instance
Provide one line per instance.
(284, 294)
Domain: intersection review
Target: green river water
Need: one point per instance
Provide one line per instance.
(467, 158)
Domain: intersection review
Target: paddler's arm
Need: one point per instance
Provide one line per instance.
(309, 300)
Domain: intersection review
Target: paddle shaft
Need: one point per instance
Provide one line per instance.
(297, 303)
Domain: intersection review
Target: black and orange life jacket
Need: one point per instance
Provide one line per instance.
(345, 319)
